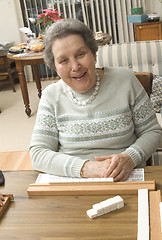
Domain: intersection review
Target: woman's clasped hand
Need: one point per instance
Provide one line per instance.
(117, 166)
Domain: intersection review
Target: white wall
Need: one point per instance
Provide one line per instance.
(10, 21)
(154, 6)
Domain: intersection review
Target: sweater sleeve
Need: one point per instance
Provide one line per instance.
(147, 129)
(45, 144)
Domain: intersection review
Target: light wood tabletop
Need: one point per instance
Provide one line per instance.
(15, 160)
(64, 217)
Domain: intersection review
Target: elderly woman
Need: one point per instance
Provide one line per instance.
(90, 124)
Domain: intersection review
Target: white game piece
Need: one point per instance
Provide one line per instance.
(91, 179)
(70, 180)
(120, 202)
(97, 179)
(106, 206)
(92, 213)
(109, 179)
(98, 208)
(55, 179)
(106, 180)
(113, 205)
(143, 215)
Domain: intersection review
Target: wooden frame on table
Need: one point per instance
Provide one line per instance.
(98, 188)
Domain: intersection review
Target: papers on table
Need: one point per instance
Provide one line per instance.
(136, 175)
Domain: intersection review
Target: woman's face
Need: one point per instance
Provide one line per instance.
(74, 62)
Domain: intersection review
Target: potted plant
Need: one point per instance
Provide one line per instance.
(47, 18)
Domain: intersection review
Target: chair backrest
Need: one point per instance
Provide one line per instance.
(145, 79)
(143, 56)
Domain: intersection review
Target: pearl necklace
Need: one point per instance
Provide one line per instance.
(91, 98)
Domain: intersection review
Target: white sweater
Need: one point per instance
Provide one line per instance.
(120, 119)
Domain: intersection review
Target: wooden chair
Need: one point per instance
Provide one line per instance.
(145, 79)
(7, 73)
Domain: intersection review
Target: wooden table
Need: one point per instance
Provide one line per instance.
(15, 160)
(64, 217)
(21, 61)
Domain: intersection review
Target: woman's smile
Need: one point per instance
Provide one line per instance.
(80, 77)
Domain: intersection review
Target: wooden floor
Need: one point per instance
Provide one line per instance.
(18, 160)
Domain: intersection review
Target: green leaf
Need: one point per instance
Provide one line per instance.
(39, 21)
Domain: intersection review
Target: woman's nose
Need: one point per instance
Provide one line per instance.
(75, 66)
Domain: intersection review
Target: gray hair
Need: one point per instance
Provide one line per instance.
(63, 28)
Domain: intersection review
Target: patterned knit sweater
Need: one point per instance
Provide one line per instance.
(120, 119)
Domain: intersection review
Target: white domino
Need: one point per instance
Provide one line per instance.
(143, 215)
(113, 205)
(92, 213)
(106, 206)
(161, 214)
(99, 209)
(82, 180)
(119, 201)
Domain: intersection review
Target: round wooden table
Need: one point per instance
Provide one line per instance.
(22, 60)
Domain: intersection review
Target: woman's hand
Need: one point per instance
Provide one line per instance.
(120, 166)
(95, 169)
(117, 166)
(1, 200)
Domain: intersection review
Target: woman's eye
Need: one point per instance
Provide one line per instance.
(80, 55)
(63, 61)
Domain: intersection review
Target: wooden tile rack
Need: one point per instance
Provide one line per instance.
(98, 188)
(6, 202)
(89, 188)
(155, 221)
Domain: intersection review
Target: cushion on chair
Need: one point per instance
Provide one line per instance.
(157, 156)
(143, 56)
(156, 96)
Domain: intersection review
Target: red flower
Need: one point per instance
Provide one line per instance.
(48, 17)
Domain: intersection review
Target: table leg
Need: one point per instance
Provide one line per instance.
(37, 79)
(23, 86)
